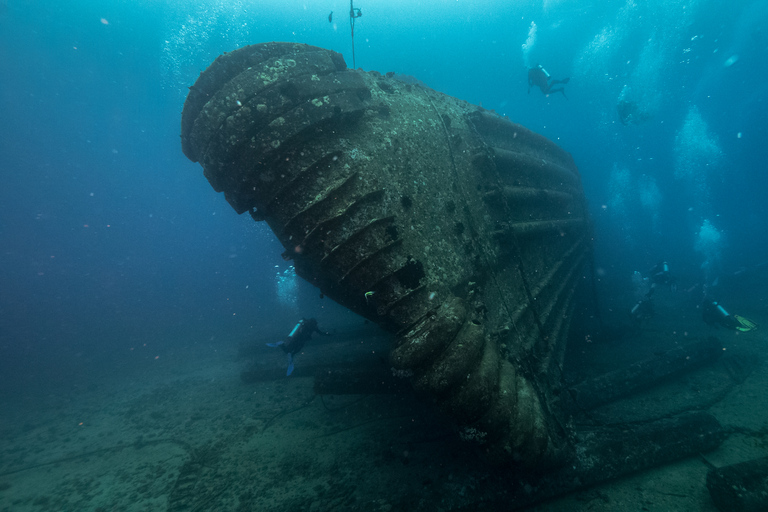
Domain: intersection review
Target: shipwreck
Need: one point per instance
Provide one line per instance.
(464, 234)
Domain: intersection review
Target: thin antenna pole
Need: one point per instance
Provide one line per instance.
(352, 24)
(353, 13)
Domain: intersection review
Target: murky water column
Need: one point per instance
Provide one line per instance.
(459, 231)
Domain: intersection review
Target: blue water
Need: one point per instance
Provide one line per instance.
(111, 239)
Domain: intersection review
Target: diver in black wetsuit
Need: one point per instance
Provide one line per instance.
(538, 77)
(660, 274)
(299, 336)
(714, 314)
(643, 311)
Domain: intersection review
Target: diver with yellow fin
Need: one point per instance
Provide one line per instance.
(714, 314)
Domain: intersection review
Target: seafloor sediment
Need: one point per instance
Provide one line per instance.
(182, 432)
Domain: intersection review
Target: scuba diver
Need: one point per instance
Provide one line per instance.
(643, 309)
(641, 312)
(660, 274)
(714, 314)
(539, 77)
(629, 109)
(299, 336)
(630, 113)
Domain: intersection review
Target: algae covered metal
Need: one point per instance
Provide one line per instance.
(459, 231)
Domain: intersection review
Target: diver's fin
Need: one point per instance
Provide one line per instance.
(744, 324)
(290, 365)
(565, 80)
(553, 91)
(276, 344)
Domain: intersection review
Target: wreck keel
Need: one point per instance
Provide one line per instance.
(459, 231)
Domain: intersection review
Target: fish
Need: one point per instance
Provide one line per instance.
(330, 17)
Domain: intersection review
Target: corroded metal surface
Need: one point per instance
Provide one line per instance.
(462, 232)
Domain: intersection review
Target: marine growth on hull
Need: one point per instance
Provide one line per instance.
(459, 231)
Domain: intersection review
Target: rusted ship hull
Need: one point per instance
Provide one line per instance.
(462, 232)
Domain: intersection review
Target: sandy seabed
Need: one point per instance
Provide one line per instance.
(184, 433)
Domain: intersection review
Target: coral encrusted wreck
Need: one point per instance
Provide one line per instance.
(459, 231)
